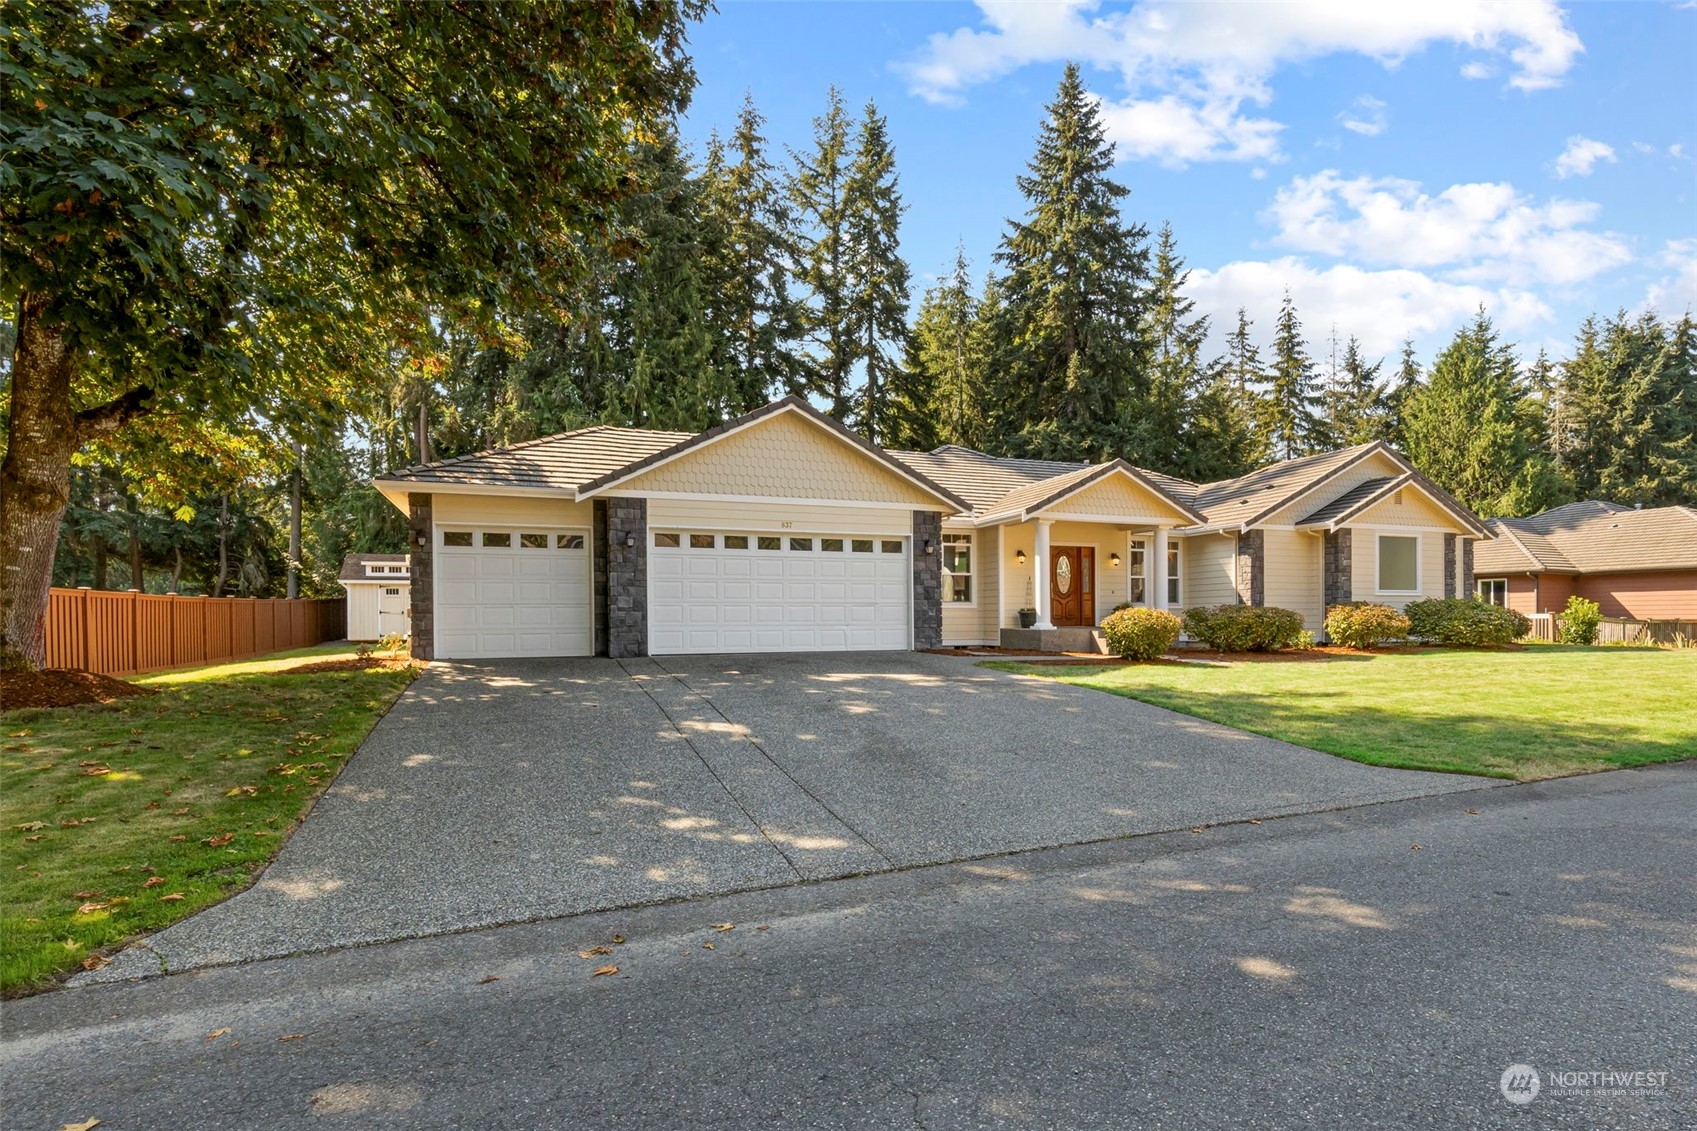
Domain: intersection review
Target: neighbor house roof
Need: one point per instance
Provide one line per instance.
(1591, 536)
(353, 566)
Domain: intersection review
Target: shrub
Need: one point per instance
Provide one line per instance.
(1579, 621)
(1464, 621)
(1245, 628)
(1361, 624)
(1139, 633)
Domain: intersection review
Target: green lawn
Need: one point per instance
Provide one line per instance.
(1540, 712)
(124, 817)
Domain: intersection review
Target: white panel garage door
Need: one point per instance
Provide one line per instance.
(776, 593)
(512, 591)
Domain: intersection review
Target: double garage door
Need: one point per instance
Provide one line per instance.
(777, 592)
(513, 591)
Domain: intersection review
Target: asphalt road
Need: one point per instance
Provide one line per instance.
(1378, 967)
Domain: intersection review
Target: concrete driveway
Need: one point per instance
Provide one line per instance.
(517, 790)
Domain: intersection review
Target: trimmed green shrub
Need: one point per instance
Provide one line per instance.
(1464, 621)
(1245, 628)
(1362, 624)
(1140, 634)
(1578, 622)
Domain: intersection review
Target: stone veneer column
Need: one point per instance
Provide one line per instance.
(1450, 564)
(927, 579)
(598, 563)
(421, 544)
(1338, 567)
(1467, 586)
(627, 578)
(1252, 567)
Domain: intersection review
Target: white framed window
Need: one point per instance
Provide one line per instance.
(1137, 568)
(1174, 590)
(1399, 563)
(957, 568)
(1494, 591)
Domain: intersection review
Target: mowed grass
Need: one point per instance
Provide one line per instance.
(1538, 712)
(124, 817)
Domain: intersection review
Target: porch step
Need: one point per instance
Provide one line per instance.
(1082, 639)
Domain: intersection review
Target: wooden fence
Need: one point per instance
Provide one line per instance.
(1620, 630)
(123, 633)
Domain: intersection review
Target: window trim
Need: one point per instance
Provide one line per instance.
(1479, 584)
(1137, 551)
(1175, 573)
(971, 574)
(1379, 565)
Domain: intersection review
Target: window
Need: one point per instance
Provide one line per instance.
(801, 543)
(1494, 591)
(1138, 563)
(456, 537)
(1399, 564)
(890, 547)
(861, 545)
(569, 541)
(831, 545)
(391, 592)
(957, 568)
(1172, 576)
(769, 542)
(501, 539)
(533, 541)
(701, 541)
(736, 541)
(666, 541)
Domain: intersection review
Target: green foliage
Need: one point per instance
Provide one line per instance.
(1246, 628)
(1361, 624)
(1464, 621)
(1137, 633)
(1355, 404)
(1579, 620)
(878, 277)
(1288, 412)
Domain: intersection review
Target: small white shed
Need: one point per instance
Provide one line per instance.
(379, 595)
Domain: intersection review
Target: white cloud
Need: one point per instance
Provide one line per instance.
(1476, 233)
(1477, 70)
(1366, 116)
(1581, 156)
(1676, 292)
(1381, 308)
(1191, 71)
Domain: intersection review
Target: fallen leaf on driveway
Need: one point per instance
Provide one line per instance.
(94, 962)
(172, 896)
(1415, 847)
(85, 1125)
(484, 981)
(706, 946)
(618, 939)
(764, 927)
(216, 1033)
(290, 1037)
(594, 950)
(1255, 822)
(724, 926)
(603, 971)
(1474, 812)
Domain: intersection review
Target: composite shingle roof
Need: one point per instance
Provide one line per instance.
(353, 566)
(1591, 536)
(1348, 501)
(563, 461)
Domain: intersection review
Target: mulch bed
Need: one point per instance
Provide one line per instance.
(357, 664)
(62, 687)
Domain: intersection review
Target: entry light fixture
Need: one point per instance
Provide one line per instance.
(1114, 560)
(1019, 556)
(630, 540)
(421, 538)
(929, 547)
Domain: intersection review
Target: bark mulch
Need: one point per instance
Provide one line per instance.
(62, 687)
(357, 664)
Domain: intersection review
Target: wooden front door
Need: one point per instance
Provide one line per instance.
(1072, 586)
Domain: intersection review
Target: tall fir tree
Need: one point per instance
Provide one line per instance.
(1074, 267)
(1154, 429)
(939, 361)
(819, 191)
(1355, 403)
(1403, 384)
(1290, 403)
(877, 277)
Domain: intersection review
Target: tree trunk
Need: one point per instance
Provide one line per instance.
(423, 429)
(177, 572)
(138, 580)
(35, 483)
(295, 527)
(223, 545)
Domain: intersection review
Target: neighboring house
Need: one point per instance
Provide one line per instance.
(784, 531)
(379, 595)
(1634, 563)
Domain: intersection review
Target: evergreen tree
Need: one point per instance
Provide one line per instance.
(1074, 267)
(820, 191)
(939, 363)
(1153, 424)
(1407, 379)
(877, 277)
(1291, 401)
(1356, 404)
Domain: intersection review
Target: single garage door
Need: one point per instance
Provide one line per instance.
(512, 591)
(776, 592)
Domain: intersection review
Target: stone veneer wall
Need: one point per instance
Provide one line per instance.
(1467, 587)
(627, 578)
(421, 539)
(927, 580)
(1339, 573)
(1252, 567)
(598, 563)
(1449, 565)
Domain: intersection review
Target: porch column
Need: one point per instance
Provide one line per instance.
(1158, 569)
(1040, 566)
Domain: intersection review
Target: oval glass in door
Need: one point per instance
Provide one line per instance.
(1063, 575)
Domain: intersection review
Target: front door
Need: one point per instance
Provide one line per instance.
(1072, 586)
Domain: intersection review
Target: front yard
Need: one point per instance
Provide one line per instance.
(1530, 713)
(124, 817)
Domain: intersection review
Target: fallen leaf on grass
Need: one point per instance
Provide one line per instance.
(94, 771)
(85, 895)
(32, 840)
(242, 791)
(172, 896)
(183, 812)
(594, 951)
(216, 1033)
(179, 836)
(75, 821)
(603, 971)
(154, 881)
(85, 1125)
(95, 962)
(91, 908)
(31, 826)
(20, 734)
(219, 841)
(724, 926)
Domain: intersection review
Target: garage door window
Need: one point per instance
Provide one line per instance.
(892, 547)
(456, 538)
(861, 545)
(570, 541)
(533, 541)
(736, 541)
(498, 539)
(666, 541)
(701, 541)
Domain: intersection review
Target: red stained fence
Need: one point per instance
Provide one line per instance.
(124, 633)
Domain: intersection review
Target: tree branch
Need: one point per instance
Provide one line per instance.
(103, 420)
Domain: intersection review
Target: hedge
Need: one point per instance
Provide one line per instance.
(1361, 624)
(1579, 620)
(1464, 621)
(1139, 633)
(1246, 628)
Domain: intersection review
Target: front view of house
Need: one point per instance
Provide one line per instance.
(783, 531)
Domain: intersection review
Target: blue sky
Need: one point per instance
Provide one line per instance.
(1394, 165)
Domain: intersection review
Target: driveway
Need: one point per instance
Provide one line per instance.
(517, 790)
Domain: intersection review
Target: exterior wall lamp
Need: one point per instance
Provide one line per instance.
(422, 540)
(929, 548)
(1114, 560)
(630, 540)
(1019, 556)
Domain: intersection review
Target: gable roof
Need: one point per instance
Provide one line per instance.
(999, 486)
(353, 566)
(1591, 536)
(1251, 498)
(1024, 502)
(560, 462)
(1364, 496)
(793, 404)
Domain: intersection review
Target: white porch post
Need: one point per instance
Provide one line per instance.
(1158, 568)
(1040, 565)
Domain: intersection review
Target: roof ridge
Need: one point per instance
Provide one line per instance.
(504, 448)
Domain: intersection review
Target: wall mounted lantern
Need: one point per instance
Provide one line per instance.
(1114, 560)
(1019, 556)
(929, 548)
(630, 540)
(422, 541)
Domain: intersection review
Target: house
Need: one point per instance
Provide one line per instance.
(1637, 563)
(379, 590)
(784, 531)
